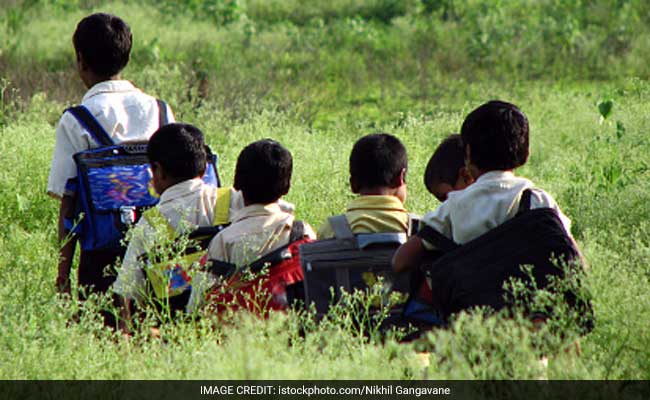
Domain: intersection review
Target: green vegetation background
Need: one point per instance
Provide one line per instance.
(316, 76)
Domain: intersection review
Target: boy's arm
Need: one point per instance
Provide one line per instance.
(409, 255)
(67, 243)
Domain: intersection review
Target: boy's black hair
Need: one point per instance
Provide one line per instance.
(497, 134)
(263, 172)
(377, 160)
(179, 149)
(445, 163)
(104, 42)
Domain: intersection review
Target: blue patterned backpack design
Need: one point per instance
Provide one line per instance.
(113, 184)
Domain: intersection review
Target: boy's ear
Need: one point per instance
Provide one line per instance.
(402, 177)
(468, 158)
(463, 173)
(81, 64)
(158, 171)
(354, 186)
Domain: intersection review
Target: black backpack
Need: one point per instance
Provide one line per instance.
(346, 263)
(475, 273)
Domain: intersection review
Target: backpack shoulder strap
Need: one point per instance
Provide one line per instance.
(90, 124)
(222, 269)
(341, 227)
(297, 231)
(440, 241)
(524, 201)
(413, 224)
(280, 254)
(158, 222)
(163, 118)
(222, 207)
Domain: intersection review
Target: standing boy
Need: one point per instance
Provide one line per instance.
(102, 45)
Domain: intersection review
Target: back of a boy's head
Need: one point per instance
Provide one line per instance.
(104, 42)
(445, 163)
(179, 149)
(263, 172)
(377, 160)
(497, 134)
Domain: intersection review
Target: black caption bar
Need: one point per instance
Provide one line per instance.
(207, 390)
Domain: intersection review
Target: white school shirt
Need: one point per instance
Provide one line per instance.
(256, 230)
(192, 202)
(487, 203)
(125, 112)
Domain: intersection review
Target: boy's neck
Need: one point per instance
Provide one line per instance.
(380, 191)
(91, 79)
(249, 203)
(167, 183)
(480, 172)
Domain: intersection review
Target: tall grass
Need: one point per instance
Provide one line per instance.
(316, 77)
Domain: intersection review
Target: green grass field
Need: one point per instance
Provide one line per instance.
(316, 76)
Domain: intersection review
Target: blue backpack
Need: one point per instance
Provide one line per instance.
(113, 184)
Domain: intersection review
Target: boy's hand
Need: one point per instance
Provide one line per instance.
(66, 251)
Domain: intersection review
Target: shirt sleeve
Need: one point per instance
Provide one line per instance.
(170, 114)
(69, 141)
(541, 199)
(287, 207)
(309, 232)
(217, 249)
(438, 219)
(130, 282)
(236, 202)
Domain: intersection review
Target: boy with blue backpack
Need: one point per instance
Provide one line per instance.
(112, 112)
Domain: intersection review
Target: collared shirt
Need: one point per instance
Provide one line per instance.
(256, 230)
(186, 205)
(487, 203)
(372, 214)
(125, 112)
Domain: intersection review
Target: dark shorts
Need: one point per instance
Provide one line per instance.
(93, 274)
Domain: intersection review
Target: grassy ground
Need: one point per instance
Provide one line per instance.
(316, 78)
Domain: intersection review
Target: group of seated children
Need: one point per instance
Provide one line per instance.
(471, 173)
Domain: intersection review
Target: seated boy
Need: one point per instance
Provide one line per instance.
(177, 154)
(378, 164)
(495, 139)
(263, 176)
(102, 45)
(446, 170)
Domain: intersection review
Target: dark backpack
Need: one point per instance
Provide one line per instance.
(475, 273)
(348, 262)
(112, 187)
